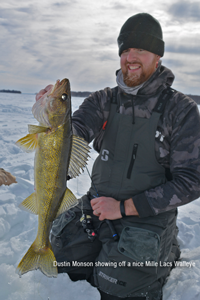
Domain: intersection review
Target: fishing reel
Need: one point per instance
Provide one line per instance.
(86, 222)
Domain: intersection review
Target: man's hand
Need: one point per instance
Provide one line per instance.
(43, 92)
(109, 208)
(106, 208)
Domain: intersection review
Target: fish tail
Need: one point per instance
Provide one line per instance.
(43, 259)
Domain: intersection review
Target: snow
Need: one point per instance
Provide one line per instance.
(18, 228)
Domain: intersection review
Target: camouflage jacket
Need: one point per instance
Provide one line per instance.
(177, 142)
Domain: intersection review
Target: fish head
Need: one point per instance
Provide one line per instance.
(53, 107)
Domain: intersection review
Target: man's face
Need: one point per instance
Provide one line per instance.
(137, 65)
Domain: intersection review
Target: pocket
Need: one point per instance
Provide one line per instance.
(139, 244)
(62, 221)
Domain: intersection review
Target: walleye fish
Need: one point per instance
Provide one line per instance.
(58, 154)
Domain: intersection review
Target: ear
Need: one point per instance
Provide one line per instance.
(157, 60)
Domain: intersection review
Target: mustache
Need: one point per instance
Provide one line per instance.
(134, 63)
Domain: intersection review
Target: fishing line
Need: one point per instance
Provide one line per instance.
(77, 186)
(82, 205)
(108, 222)
(34, 283)
(92, 182)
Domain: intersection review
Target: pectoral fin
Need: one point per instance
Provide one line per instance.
(32, 129)
(69, 200)
(79, 156)
(30, 204)
(28, 143)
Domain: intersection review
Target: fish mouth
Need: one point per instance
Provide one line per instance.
(44, 106)
(60, 88)
(56, 85)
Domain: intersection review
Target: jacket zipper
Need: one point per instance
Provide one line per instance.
(133, 157)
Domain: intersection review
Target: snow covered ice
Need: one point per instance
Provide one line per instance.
(18, 228)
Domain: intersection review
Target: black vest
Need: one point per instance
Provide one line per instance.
(127, 165)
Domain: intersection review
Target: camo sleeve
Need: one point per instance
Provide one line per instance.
(88, 120)
(184, 162)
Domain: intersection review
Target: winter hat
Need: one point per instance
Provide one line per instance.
(141, 31)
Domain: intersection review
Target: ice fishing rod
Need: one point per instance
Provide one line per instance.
(108, 222)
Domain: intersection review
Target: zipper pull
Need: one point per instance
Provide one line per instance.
(135, 151)
(135, 147)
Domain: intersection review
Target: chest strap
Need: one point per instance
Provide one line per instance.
(114, 95)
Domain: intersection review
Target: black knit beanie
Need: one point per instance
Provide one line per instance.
(141, 31)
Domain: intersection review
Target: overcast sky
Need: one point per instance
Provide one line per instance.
(45, 40)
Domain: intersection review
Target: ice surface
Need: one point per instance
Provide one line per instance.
(18, 228)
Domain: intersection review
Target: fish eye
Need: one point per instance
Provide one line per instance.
(64, 97)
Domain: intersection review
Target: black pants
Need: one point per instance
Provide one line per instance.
(105, 296)
(71, 244)
(110, 297)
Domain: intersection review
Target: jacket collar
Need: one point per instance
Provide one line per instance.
(162, 77)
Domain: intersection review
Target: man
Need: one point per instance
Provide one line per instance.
(148, 140)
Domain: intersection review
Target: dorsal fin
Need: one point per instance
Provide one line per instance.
(79, 156)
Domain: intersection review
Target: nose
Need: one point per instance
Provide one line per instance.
(132, 55)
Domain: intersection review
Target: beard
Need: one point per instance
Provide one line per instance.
(132, 80)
